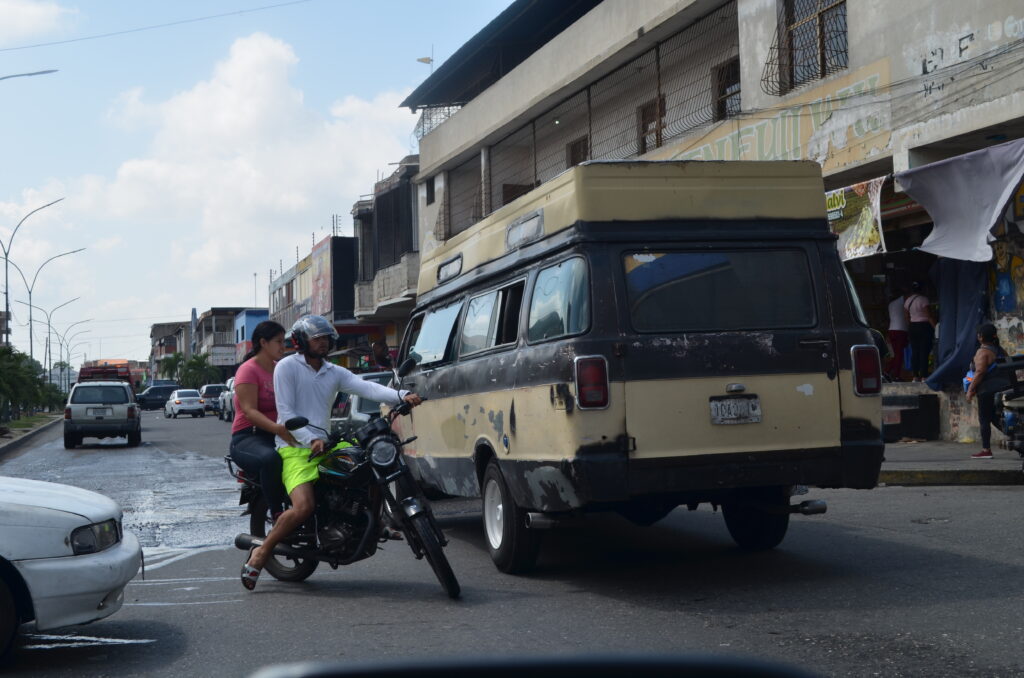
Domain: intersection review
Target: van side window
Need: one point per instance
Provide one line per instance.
(431, 337)
(560, 305)
(492, 319)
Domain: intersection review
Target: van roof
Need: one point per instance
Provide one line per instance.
(634, 191)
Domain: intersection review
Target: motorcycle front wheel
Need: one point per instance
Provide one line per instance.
(281, 568)
(424, 534)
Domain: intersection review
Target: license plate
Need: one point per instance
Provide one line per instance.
(98, 411)
(744, 409)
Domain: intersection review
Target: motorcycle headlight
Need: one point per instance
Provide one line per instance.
(95, 538)
(383, 452)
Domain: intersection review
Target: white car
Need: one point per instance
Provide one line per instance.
(64, 558)
(184, 401)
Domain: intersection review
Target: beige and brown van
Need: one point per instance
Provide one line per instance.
(636, 336)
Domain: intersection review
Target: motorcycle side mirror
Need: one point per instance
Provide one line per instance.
(296, 423)
(406, 367)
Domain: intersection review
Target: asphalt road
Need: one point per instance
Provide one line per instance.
(891, 582)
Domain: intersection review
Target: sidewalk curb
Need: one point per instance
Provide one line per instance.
(13, 444)
(951, 477)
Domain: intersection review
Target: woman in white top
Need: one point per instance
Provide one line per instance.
(922, 330)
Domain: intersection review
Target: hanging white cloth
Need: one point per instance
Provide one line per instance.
(966, 196)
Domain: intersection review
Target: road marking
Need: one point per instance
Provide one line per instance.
(200, 602)
(184, 580)
(166, 556)
(80, 641)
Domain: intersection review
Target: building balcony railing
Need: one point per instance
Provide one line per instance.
(389, 286)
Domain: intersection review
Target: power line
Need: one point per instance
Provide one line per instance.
(153, 27)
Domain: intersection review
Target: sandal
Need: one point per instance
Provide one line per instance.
(249, 573)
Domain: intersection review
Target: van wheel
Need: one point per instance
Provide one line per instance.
(758, 518)
(8, 618)
(70, 440)
(134, 438)
(513, 546)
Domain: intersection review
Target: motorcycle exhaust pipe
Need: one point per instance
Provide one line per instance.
(247, 541)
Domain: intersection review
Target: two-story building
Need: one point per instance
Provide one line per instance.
(866, 88)
(245, 322)
(213, 335)
(164, 342)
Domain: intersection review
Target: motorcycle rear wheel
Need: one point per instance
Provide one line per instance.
(281, 568)
(435, 554)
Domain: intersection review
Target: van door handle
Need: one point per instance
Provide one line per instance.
(816, 343)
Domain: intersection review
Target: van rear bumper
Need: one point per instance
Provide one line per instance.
(611, 478)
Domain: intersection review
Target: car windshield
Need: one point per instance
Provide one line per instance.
(107, 395)
(188, 394)
(213, 390)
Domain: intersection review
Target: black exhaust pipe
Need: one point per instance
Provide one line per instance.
(247, 541)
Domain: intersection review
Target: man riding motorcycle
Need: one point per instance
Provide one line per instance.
(306, 385)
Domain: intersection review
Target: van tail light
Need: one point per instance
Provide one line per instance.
(67, 412)
(867, 370)
(131, 411)
(592, 382)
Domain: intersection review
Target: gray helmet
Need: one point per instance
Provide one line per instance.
(310, 327)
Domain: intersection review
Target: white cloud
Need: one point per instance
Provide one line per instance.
(26, 19)
(238, 172)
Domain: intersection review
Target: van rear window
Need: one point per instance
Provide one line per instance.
(719, 290)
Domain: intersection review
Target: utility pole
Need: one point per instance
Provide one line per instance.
(7, 253)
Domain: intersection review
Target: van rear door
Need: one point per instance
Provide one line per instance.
(732, 350)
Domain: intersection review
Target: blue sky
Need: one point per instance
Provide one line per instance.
(192, 156)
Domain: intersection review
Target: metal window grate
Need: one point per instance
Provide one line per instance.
(810, 44)
(513, 167)
(464, 194)
(615, 101)
(556, 130)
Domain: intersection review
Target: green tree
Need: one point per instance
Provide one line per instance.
(197, 371)
(20, 387)
(172, 364)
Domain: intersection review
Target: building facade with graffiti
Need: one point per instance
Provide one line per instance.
(868, 89)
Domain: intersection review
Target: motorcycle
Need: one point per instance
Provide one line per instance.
(361, 490)
(1008, 412)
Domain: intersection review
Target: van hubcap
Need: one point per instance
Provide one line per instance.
(493, 514)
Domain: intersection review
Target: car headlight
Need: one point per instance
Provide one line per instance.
(383, 452)
(95, 538)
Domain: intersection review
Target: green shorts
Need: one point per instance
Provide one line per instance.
(296, 468)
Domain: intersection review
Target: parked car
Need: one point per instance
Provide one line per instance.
(64, 557)
(357, 410)
(211, 394)
(154, 397)
(227, 401)
(184, 401)
(101, 409)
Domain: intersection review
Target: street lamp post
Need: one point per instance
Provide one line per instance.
(63, 339)
(30, 288)
(49, 332)
(7, 253)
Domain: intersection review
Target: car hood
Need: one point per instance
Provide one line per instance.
(36, 493)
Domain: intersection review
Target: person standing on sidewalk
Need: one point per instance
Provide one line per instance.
(899, 334)
(984, 358)
(922, 330)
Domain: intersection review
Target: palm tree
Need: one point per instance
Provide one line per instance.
(197, 371)
(171, 365)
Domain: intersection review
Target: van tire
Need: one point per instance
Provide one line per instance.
(134, 438)
(70, 440)
(751, 526)
(8, 618)
(517, 545)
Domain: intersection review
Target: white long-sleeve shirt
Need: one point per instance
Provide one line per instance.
(301, 391)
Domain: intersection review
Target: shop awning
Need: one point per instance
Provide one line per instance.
(965, 197)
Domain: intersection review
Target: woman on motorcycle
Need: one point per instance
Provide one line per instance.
(305, 385)
(255, 423)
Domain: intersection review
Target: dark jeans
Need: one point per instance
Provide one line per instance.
(986, 410)
(921, 335)
(256, 454)
(898, 339)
